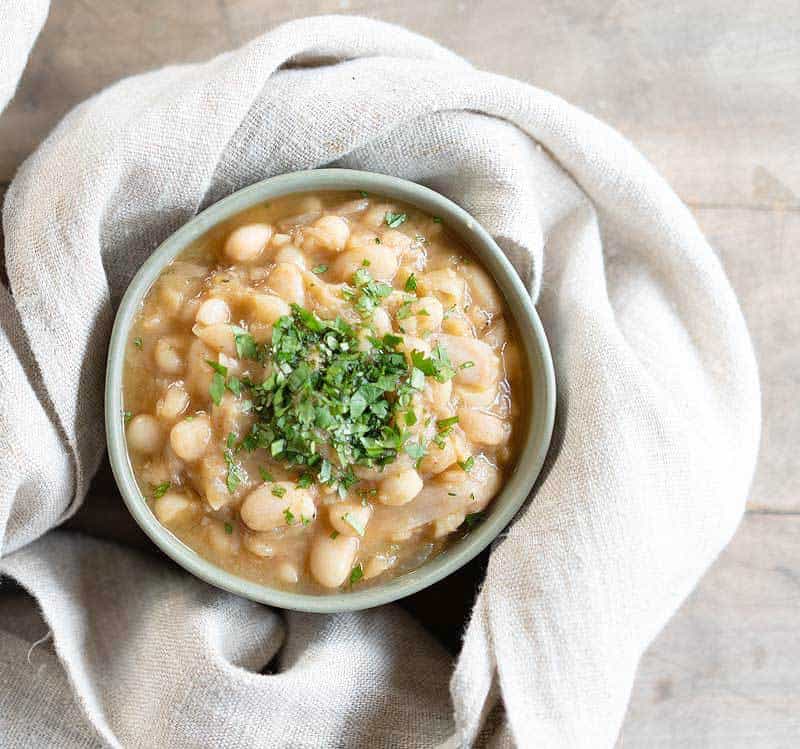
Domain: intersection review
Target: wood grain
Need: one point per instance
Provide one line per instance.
(723, 673)
(709, 92)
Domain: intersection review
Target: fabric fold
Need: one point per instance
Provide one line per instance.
(657, 426)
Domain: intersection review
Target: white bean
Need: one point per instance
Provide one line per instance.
(173, 403)
(263, 509)
(380, 263)
(290, 254)
(287, 573)
(438, 458)
(190, 437)
(349, 518)
(327, 232)
(477, 365)
(422, 317)
(213, 311)
(482, 289)
(378, 565)
(168, 355)
(219, 337)
(247, 242)
(174, 507)
(331, 559)
(400, 488)
(144, 434)
(482, 427)
(286, 280)
(223, 538)
(259, 544)
(446, 525)
(267, 308)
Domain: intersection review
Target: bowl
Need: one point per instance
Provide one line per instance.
(537, 428)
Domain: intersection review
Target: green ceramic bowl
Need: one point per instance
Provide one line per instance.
(534, 440)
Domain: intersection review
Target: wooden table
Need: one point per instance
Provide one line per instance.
(710, 92)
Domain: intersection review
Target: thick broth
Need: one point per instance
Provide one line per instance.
(202, 422)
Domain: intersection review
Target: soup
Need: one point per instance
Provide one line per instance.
(322, 392)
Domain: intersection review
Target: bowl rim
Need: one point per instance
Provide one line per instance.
(539, 425)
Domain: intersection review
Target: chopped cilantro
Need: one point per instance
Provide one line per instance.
(437, 365)
(287, 513)
(220, 369)
(467, 365)
(265, 474)
(410, 418)
(466, 465)
(234, 472)
(245, 344)
(394, 220)
(411, 284)
(305, 481)
(363, 193)
(335, 534)
(473, 519)
(127, 416)
(354, 523)
(304, 520)
(138, 342)
(356, 574)
(160, 490)
(320, 269)
(228, 528)
(437, 220)
(234, 384)
(446, 424)
(217, 388)
(279, 491)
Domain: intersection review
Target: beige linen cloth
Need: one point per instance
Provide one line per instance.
(656, 437)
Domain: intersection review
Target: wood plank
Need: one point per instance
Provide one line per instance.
(759, 251)
(723, 673)
(708, 92)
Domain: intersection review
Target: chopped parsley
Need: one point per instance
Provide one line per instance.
(160, 490)
(234, 472)
(127, 416)
(138, 342)
(354, 523)
(363, 193)
(393, 220)
(411, 284)
(467, 365)
(437, 219)
(437, 365)
(217, 388)
(473, 519)
(245, 343)
(320, 269)
(356, 574)
(265, 474)
(287, 513)
(466, 465)
(228, 528)
(335, 534)
(279, 491)
(445, 426)
(329, 402)
(234, 384)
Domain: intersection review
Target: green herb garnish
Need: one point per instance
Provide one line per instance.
(138, 342)
(356, 574)
(265, 474)
(473, 519)
(466, 465)
(354, 523)
(245, 343)
(160, 490)
(126, 416)
(437, 220)
(279, 491)
(320, 269)
(287, 513)
(411, 284)
(228, 528)
(394, 220)
(217, 388)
